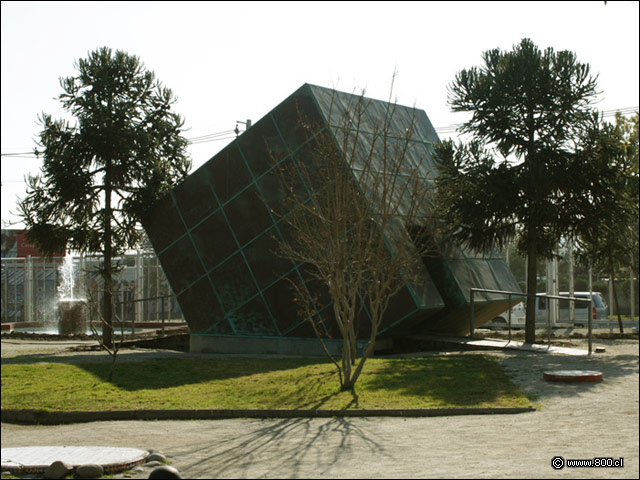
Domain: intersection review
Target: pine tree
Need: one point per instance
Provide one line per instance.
(512, 180)
(100, 173)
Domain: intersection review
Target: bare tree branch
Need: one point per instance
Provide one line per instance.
(357, 209)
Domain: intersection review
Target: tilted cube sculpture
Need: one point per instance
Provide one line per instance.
(216, 235)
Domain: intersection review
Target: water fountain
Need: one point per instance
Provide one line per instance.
(72, 312)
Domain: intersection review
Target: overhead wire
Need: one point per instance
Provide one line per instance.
(605, 113)
(211, 137)
(622, 111)
(230, 134)
(29, 155)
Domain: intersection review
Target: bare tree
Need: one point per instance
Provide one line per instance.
(357, 217)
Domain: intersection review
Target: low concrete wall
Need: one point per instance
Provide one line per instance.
(41, 417)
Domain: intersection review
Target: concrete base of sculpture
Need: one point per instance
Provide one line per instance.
(273, 345)
(73, 317)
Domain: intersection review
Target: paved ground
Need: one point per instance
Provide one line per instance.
(576, 421)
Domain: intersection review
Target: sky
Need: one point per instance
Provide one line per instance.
(232, 61)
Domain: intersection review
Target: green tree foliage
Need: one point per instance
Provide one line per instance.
(100, 173)
(608, 230)
(512, 180)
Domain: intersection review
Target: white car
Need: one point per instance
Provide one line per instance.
(518, 311)
(517, 317)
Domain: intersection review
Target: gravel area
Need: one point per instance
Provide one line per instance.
(574, 421)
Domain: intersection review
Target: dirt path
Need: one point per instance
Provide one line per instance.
(576, 421)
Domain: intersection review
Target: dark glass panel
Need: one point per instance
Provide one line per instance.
(272, 188)
(253, 319)
(318, 290)
(285, 309)
(420, 160)
(363, 322)
(213, 240)
(264, 258)
(195, 198)
(228, 172)
(271, 192)
(474, 273)
(181, 264)
(262, 146)
(297, 118)
(424, 129)
(400, 305)
(233, 283)
(162, 223)
(304, 329)
(446, 280)
(327, 324)
(484, 278)
(247, 215)
(463, 276)
(339, 108)
(326, 102)
(200, 307)
(319, 295)
(319, 159)
(222, 327)
(286, 230)
(424, 290)
(506, 280)
(334, 104)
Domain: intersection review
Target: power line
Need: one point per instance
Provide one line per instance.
(216, 139)
(29, 155)
(448, 129)
(622, 111)
(229, 134)
(211, 136)
(605, 113)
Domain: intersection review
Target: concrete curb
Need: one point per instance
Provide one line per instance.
(41, 417)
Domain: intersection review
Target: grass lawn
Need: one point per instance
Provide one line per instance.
(246, 383)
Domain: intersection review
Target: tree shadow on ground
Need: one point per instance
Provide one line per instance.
(448, 380)
(169, 370)
(278, 449)
(315, 386)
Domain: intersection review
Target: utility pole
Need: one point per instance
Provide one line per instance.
(247, 124)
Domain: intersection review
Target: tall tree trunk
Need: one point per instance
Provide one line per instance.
(346, 362)
(532, 253)
(107, 306)
(532, 286)
(615, 294)
(107, 272)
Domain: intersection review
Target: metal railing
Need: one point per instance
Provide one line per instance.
(134, 301)
(509, 295)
